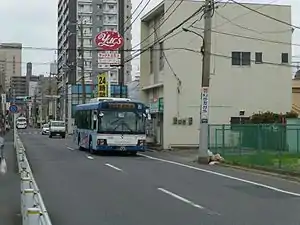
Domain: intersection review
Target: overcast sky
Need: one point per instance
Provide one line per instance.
(33, 23)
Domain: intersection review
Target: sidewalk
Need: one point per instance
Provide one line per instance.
(10, 187)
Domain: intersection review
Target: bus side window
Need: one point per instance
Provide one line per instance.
(94, 119)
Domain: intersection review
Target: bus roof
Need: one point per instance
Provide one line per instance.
(99, 99)
(103, 104)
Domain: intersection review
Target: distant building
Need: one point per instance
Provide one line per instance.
(28, 75)
(18, 85)
(45, 87)
(10, 63)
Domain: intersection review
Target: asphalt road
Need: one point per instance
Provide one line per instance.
(114, 190)
(10, 187)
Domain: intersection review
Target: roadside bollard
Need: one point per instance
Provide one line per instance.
(33, 216)
(28, 198)
(27, 201)
(21, 156)
(25, 183)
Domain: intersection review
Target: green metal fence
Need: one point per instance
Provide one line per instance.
(266, 145)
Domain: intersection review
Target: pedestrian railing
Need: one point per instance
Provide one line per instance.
(33, 209)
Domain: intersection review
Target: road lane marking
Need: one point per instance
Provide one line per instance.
(225, 176)
(72, 149)
(89, 157)
(180, 198)
(114, 167)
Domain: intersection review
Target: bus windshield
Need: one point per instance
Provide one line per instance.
(122, 122)
(57, 124)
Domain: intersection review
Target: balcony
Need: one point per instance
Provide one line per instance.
(110, 11)
(109, 1)
(110, 22)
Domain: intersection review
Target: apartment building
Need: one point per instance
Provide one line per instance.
(96, 16)
(10, 62)
(18, 85)
(247, 73)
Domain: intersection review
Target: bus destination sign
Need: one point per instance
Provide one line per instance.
(121, 105)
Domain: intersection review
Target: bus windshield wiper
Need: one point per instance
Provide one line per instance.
(124, 124)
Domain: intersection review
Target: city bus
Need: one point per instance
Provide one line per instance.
(111, 124)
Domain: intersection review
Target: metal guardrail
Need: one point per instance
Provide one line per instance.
(33, 209)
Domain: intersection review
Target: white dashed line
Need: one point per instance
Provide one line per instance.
(89, 157)
(180, 198)
(111, 166)
(72, 149)
(225, 176)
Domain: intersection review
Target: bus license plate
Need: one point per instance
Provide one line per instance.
(122, 148)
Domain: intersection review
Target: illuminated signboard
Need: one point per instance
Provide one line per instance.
(103, 85)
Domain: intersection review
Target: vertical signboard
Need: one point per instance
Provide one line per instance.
(204, 105)
(103, 85)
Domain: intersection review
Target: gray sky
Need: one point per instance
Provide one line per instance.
(33, 23)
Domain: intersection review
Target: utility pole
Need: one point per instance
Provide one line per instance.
(49, 100)
(204, 107)
(82, 63)
(121, 31)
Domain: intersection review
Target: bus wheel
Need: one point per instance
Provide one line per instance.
(91, 150)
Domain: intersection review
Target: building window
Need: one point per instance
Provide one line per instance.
(99, 6)
(98, 29)
(241, 58)
(161, 56)
(151, 60)
(99, 18)
(258, 57)
(111, 6)
(284, 57)
(14, 65)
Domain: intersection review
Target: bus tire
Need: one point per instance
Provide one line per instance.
(91, 150)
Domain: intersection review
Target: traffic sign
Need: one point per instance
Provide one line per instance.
(13, 109)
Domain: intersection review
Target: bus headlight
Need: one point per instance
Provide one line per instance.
(141, 142)
(101, 142)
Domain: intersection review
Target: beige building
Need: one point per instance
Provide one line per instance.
(10, 61)
(250, 67)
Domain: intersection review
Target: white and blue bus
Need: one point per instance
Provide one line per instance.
(111, 124)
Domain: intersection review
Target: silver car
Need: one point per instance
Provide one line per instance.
(45, 129)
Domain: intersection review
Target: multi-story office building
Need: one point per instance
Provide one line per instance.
(10, 62)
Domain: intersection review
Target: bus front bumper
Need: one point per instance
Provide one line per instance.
(121, 148)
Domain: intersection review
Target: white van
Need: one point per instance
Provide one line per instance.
(21, 122)
(57, 128)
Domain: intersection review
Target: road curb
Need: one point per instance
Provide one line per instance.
(274, 173)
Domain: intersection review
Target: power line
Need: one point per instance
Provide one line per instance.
(244, 14)
(168, 33)
(165, 19)
(134, 11)
(50, 62)
(251, 38)
(145, 6)
(265, 15)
